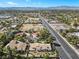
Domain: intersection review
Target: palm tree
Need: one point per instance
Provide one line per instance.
(27, 49)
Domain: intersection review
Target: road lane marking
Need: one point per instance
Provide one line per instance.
(63, 48)
(61, 45)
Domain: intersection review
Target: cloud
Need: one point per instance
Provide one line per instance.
(11, 3)
(8, 4)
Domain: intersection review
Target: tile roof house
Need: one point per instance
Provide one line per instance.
(14, 44)
(40, 47)
(20, 46)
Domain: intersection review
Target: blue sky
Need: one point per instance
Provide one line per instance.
(38, 3)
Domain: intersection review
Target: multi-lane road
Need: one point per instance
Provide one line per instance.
(65, 51)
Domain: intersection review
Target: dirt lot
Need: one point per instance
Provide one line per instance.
(31, 26)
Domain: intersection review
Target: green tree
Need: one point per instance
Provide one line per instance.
(46, 56)
(75, 24)
(44, 34)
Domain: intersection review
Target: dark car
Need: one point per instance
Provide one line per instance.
(56, 43)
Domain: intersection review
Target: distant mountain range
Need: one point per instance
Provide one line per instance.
(40, 8)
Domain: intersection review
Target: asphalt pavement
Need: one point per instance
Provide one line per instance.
(65, 51)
